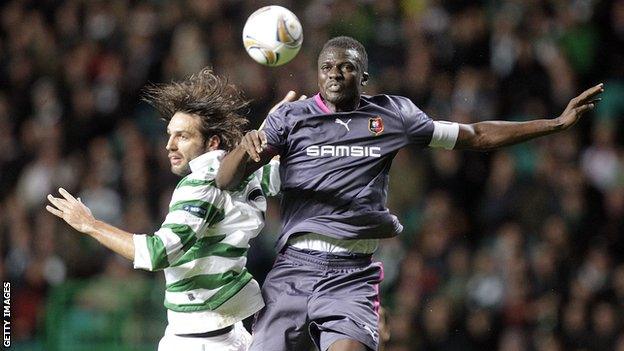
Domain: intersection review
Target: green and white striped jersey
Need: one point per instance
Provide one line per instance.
(202, 247)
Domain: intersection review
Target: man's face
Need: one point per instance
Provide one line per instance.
(185, 142)
(340, 75)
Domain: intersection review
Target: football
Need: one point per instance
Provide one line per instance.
(272, 35)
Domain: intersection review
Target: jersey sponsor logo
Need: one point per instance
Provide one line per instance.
(343, 150)
(375, 125)
(345, 124)
(196, 210)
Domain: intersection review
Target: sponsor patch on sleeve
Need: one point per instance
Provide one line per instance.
(195, 210)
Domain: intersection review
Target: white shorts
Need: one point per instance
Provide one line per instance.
(238, 339)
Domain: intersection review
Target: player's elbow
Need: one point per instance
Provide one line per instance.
(474, 137)
(220, 182)
(225, 182)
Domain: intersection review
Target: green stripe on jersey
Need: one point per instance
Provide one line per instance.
(266, 179)
(202, 250)
(184, 232)
(158, 254)
(211, 213)
(195, 182)
(225, 293)
(199, 249)
(204, 281)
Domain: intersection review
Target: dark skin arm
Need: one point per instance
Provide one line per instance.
(246, 158)
(251, 154)
(494, 134)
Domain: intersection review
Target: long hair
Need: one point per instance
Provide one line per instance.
(218, 104)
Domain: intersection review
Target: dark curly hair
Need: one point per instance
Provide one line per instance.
(217, 103)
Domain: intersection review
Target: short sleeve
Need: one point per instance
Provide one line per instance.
(276, 129)
(418, 126)
(269, 178)
(195, 205)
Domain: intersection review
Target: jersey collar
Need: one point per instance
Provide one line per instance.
(209, 160)
(321, 104)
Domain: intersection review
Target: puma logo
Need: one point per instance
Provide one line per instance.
(345, 124)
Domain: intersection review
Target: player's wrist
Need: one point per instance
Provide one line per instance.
(556, 124)
(92, 227)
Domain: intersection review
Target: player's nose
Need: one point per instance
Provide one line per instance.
(334, 72)
(170, 144)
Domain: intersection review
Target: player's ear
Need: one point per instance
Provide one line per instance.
(213, 143)
(364, 78)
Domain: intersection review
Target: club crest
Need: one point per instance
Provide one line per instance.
(375, 125)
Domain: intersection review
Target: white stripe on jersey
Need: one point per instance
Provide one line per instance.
(204, 265)
(172, 243)
(195, 296)
(237, 238)
(203, 193)
(142, 259)
(187, 218)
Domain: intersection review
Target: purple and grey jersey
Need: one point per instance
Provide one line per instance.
(334, 166)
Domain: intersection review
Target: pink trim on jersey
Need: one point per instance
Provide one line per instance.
(377, 301)
(321, 103)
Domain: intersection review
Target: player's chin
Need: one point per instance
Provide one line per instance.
(335, 96)
(180, 170)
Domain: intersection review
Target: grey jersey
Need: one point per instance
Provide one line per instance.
(334, 166)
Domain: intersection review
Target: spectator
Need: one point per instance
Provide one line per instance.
(523, 249)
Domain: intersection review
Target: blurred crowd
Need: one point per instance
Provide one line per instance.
(516, 249)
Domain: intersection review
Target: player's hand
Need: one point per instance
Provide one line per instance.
(254, 142)
(72, 211)
(579, 105)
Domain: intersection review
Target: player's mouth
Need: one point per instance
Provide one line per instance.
(175, 160)
(334, 87)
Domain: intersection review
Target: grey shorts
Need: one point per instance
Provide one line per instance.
(324, 296)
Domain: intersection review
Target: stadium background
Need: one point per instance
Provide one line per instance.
(517, 249)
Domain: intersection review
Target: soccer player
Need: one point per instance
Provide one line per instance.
(336, 149)
(203, 242)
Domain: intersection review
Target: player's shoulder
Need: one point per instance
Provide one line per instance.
(197, 186)
(296, 108)
(385, 100)
(198, 181)
(398, 104)
(291, 113)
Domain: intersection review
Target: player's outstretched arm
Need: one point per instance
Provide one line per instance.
(493, 134)
(79, 216)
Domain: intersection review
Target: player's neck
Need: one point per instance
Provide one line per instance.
(343, 106)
